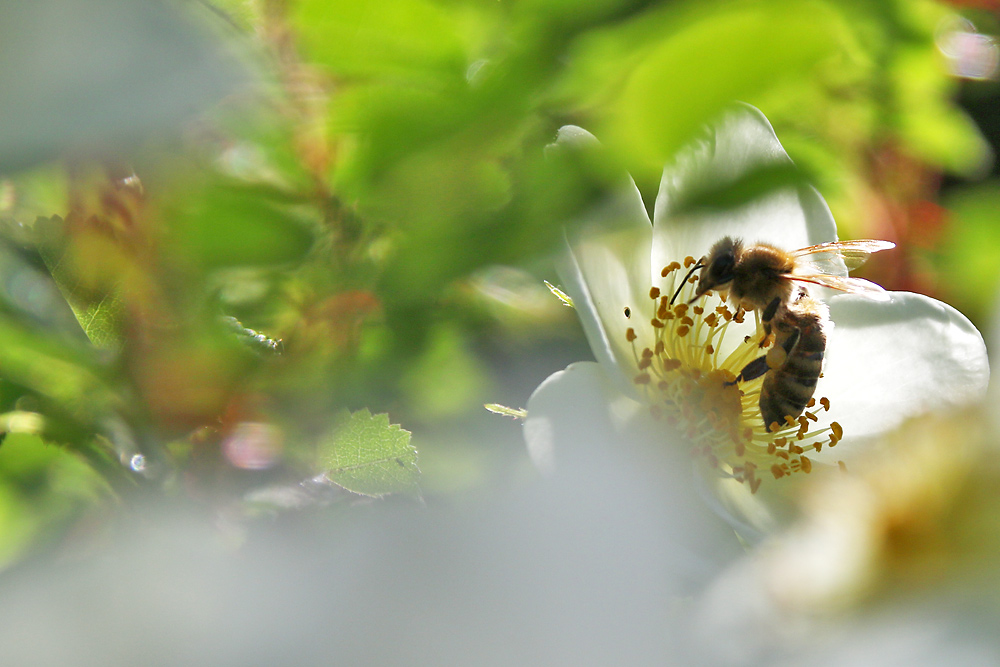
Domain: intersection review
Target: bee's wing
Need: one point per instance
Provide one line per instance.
(826, 257)
(845, 284)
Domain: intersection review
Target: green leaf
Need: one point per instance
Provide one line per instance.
(380, 37)
(929, 122)
(368, 455)
(226, 225)
(99, 310)
(713, 57)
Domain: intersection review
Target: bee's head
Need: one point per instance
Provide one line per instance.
(718, 267)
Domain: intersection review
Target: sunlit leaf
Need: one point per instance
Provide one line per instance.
(387, 37)
(712, 58)
(930, 124)
(368, 455)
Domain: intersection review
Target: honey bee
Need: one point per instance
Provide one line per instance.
(771, 281)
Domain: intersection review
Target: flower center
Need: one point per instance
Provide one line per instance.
(692, 386)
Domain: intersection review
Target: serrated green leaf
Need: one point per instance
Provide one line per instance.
(368, 455)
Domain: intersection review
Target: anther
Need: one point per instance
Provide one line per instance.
(654, 292)
(630, 334)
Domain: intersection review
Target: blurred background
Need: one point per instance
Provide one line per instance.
(252, 250)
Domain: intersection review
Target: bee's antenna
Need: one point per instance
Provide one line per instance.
(694, 268)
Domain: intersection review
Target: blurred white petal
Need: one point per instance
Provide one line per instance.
(743, 140)
(887, 361)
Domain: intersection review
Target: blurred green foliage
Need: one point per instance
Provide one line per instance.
(364, 188)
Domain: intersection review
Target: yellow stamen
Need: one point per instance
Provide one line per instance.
(691, 386)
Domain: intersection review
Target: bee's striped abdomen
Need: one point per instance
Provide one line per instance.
(786, 390)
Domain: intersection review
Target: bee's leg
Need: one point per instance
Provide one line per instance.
(775, 358)
(751, 371)
(766, 316)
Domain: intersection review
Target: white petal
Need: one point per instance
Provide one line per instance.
(606, 269)
(887, 361)
(571, 412)
(574, 137)
(743, 140)
(604, 442)
(575, 417)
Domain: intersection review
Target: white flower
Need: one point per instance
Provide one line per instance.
(665, 369)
